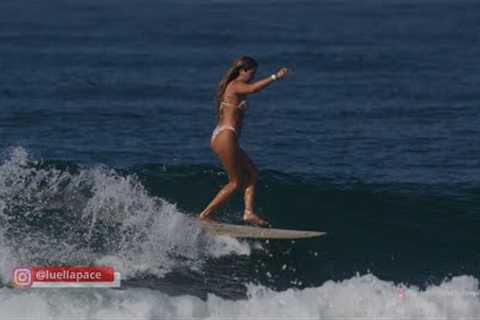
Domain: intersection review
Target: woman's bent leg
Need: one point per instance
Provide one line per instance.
(227, 148)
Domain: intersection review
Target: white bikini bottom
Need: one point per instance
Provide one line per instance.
(219, 129)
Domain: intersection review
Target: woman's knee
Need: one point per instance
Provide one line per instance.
(235, 185)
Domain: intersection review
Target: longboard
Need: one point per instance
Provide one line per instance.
(239, 231)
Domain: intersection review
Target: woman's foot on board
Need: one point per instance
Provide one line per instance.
(251, 218)
(208, 218)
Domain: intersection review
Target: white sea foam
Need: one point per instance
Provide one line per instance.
(96, 215)
(361, 297)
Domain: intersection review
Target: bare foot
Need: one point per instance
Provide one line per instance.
(209, 218)
(251, 218)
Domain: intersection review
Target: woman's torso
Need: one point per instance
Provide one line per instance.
(232, 109)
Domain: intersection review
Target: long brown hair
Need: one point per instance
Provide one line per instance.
(244, 62)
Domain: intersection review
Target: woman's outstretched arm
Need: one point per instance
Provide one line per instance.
(247, 88)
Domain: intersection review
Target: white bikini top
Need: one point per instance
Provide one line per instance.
(242, 105)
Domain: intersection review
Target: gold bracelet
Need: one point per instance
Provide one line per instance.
(274, 77)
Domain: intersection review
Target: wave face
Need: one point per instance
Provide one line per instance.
(139, 220)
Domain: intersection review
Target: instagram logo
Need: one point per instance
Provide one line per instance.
(65, 277)
(22, 277)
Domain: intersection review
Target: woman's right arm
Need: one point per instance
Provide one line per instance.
(247, 88)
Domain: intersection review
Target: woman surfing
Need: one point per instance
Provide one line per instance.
(232, 92)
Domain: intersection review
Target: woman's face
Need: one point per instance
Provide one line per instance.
(249, 74)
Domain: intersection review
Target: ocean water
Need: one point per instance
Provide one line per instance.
(106, 111)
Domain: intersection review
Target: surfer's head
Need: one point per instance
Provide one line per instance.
(243, 68)
(247, 67)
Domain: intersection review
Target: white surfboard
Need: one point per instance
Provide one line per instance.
(239, 231)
